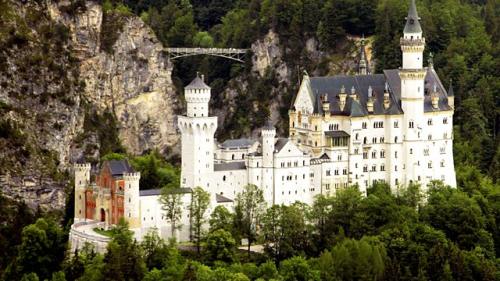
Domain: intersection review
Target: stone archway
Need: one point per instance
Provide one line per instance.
(103, 215)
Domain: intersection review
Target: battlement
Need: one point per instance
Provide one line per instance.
(132, 176)
(82, 167)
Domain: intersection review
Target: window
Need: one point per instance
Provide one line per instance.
(382, 139)
(374, 168)
(357, 136)
(344, 172)
(365, 168)
(411, 125)
(429, 165)
(429, 137)
(382, 168)
(411, 150)
(382, 154)
(327, 186)
(374, 154)
(396, 181)
(365, 155)
(223, 178)
(395, 154)
(395, 139)
(339, 157)
(396, 168)
(429, 122)
(442, 163)
(328, 173)
(356, 150)
(364, 140)
(445, 135)
(445, 120)
(363, 125)
(232, 156)
(426, 152)
(374, 140)
(336, 172)
(396, 124)
(442, 150)
(336, 127)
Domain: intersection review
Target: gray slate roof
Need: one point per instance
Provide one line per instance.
(231, 166)
(412, 21)
(238, 143)
(119, 167)
(280, 143)
(197, 83)
(221, 199)
(150, 192)
(336, 134)
(269, 125)
(331, 86)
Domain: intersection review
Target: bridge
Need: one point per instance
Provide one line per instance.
(228, 53)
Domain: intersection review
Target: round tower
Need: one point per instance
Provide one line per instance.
(268, 135)
(82, 180)
(412, 76)
(197, 136)
(197, 95)
(131, 203)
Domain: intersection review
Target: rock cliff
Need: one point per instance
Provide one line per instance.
(58, 82)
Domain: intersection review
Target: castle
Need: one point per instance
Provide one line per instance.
(394, 127)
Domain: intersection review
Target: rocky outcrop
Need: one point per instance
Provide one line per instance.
(54, 73)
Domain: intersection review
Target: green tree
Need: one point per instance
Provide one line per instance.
(221, 218)
(171, 202)
(203, 39)
(41, 251)
(250, 204)
(297, 269)
(200, 201)
(220, 246)
(124, 256)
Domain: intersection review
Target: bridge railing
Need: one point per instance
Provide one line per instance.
(229, 53)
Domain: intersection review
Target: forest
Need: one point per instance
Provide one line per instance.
(442, 234)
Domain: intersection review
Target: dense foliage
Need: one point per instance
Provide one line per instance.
(453, 235)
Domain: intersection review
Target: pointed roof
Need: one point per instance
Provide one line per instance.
(412, 21)
(363, 63)
(198, 83)
(450, 89)
(357, 110)
(269, 125)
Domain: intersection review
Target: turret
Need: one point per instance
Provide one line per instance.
(451, 95)
(342, 98)
(82, 180)
(131, 199)
(363, 63)
(325, 104)
(268, 135)
(412, 43)
(387, 98)
(369, 102)
(197, 95)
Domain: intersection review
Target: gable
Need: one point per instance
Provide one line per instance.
(304, 99)
(288, 150)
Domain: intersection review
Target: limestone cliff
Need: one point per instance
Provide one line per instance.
(58, 82)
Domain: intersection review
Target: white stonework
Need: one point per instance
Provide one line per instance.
(394, 127)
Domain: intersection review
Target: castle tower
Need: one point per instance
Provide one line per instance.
(131, 204)
(197, 136)
(268, 135)
(82, 180)
(412, 76)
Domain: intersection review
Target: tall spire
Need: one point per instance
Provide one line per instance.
(363, 63)
(412, 21)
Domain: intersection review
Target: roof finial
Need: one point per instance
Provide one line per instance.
(370, 91)
(450, 90)
(363, 63)
(386, 87)
(342, 90)
(435, 87)
(353, 90)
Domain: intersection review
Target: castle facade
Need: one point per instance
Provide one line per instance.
(393, 127)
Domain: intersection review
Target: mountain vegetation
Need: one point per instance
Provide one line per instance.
(444, 234)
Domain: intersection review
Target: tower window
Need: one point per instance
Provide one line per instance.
(396, 124)
(363, 125)
(411, 125)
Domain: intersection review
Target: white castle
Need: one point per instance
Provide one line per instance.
(394, 127)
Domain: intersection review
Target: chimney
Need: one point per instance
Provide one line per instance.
(342, 97)
(387, 99)
(451, 95)
(203, 77)
(369, 103)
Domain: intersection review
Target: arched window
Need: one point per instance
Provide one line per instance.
(357, 136)
(224, 178)
(242, 156)
(232, 157)
(364, 140)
